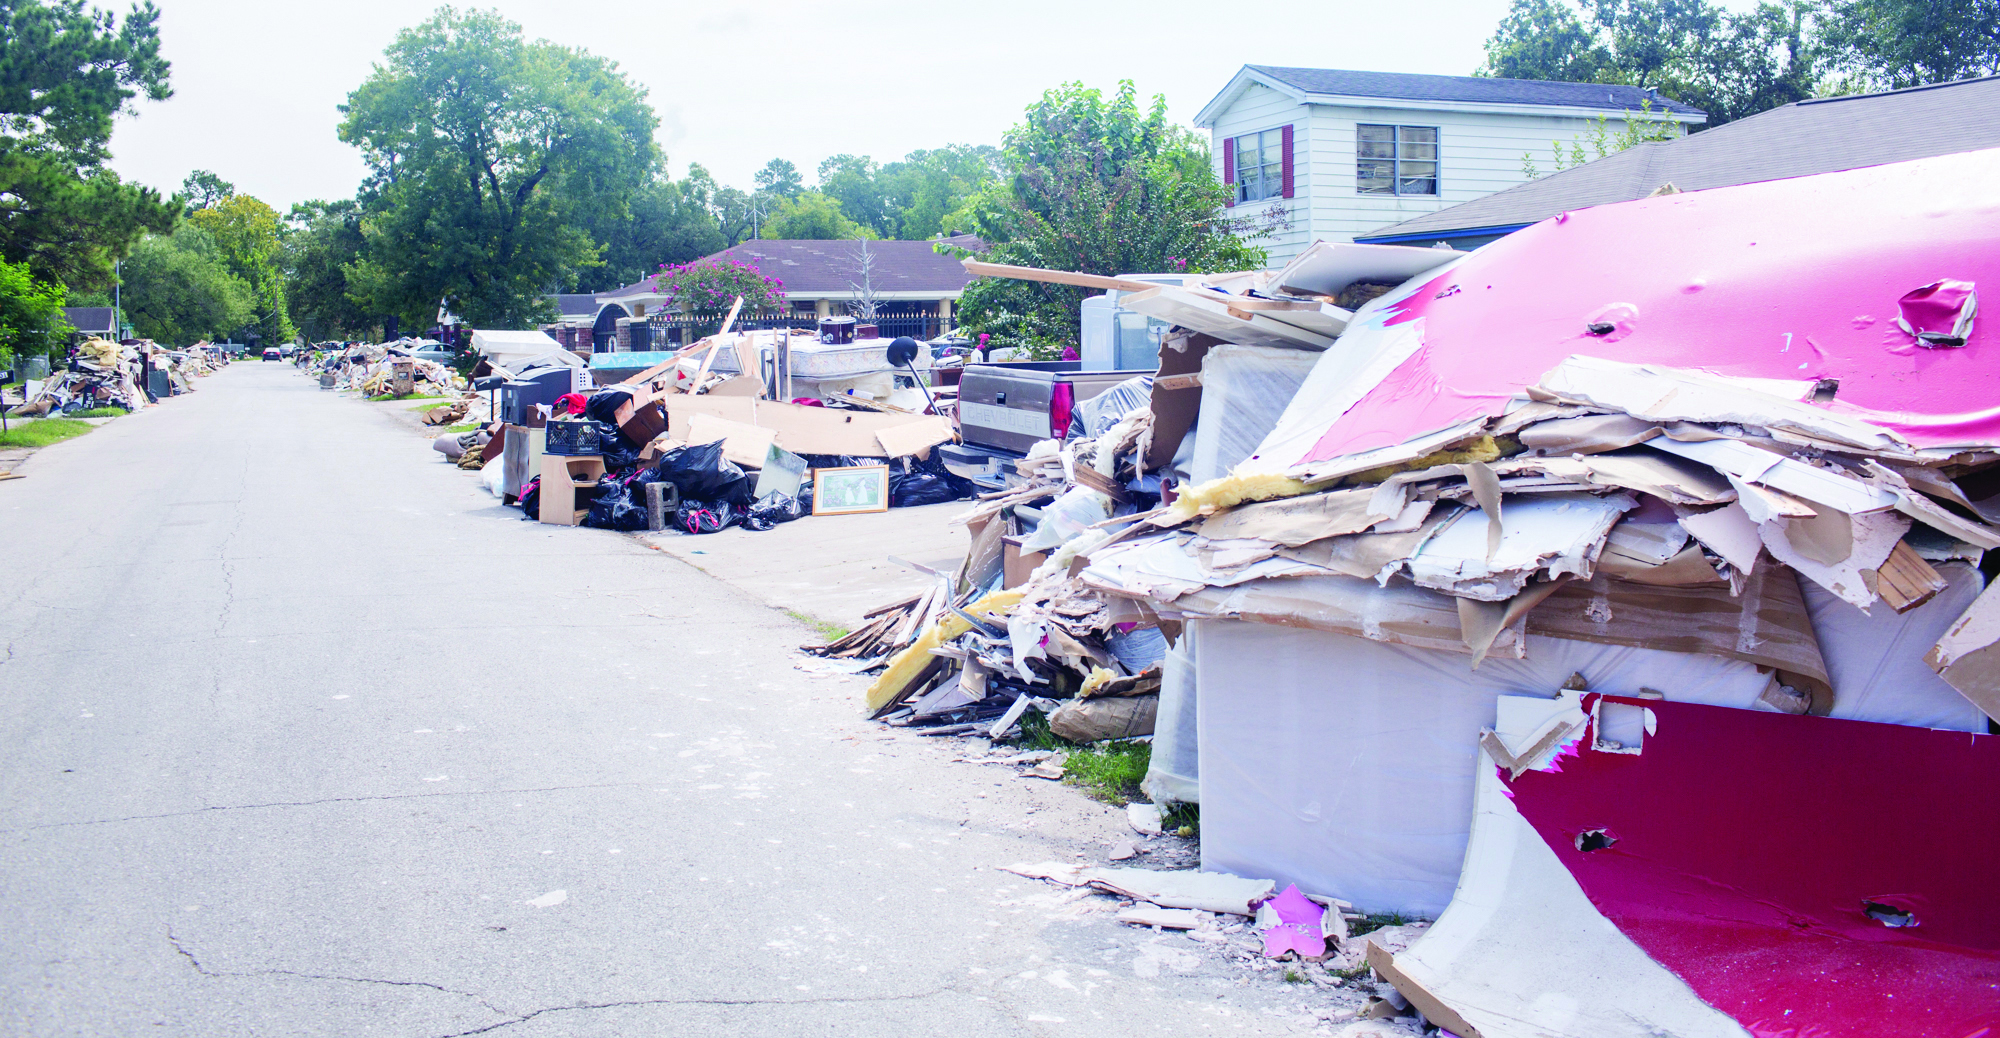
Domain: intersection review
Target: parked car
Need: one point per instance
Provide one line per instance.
(274, 354)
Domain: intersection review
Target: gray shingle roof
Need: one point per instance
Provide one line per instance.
(91, 318)
(830, 266)
(1822, 135)
(1404, 86)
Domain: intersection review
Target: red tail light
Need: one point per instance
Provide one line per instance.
(1062, 401)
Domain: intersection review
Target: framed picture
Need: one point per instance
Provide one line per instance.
(863, 488)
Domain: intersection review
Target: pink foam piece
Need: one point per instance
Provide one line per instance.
(1787, 279)
(1298, 927)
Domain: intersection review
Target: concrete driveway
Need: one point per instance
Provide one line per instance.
(301, 733)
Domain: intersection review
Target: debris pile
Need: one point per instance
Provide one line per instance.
(102, 374)
(1607, 583)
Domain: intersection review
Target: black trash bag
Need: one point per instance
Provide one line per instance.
(927, 482)
(706, 516)
(617, 451)
(772, 509)
(603, 406)
(839, 461)
(531, 499)
(702, 474)
(616, 507)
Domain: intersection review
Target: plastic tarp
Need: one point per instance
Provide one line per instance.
(1706, 279)
(1876, 659)
(1174, 774)
(1099, 413)
(1347, 766)
(1243, 391)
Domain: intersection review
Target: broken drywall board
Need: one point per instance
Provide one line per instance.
(1968, 656)
(1326, 267)
(1729, 532)
(1203, 891)
(1555, 534)
(1755, 465)
(1924, 510)
(1207, 312)
(1293, 521)
(1834, 930)
(1165, 918)
(1870, 537)
(1521, 950)
(1647, 471)
(746, 445)
(1664, 394)
(1873, 658)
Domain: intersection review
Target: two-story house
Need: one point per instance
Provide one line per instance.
(1331, 153)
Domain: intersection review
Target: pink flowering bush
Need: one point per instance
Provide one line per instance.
(701, 287)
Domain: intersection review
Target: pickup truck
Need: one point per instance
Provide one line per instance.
(1005, 408)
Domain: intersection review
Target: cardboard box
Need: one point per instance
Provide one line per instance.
(1015, 566)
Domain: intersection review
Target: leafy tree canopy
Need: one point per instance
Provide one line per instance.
(1728, 64)
(1100, 185)
(320, 241)
(486, 151)
(909, 199)
(779, 177)
(813, 216)
(179, 289)
(31, 316)
(245, 230)
(669, 222)
(65, 71)
(1889, 44)
(203, 189)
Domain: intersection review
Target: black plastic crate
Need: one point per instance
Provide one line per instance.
(573, 439)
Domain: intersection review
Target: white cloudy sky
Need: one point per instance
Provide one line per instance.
(736, 84)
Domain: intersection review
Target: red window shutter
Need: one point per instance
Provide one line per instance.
(1229, 167)
(1286, 163)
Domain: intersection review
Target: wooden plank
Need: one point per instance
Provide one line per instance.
(1905, 580)
(1187, 381)
(903, 604)
(1098, 481)
(1433, 1007)
(1056, 277)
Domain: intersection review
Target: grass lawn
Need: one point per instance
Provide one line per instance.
(430, 407)
(391, 397)
(99, 412)
(462, 428)
(42, 432)
(1110, 772)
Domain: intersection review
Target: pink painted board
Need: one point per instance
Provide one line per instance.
(1792, 279)
(1744, 848)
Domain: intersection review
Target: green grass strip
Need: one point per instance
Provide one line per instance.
(42, 432)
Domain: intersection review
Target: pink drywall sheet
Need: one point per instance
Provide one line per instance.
(1746, 845)
(1790, 279)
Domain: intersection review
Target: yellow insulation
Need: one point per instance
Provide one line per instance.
(911, 661)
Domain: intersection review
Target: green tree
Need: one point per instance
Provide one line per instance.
(321, 241)
(1101, 186)
(779, 177)
(65, 72)
(485, 150)
(179, 289)
(1902, 43)
(1728, 64)
(31, 316)
(812, 216)
(246, 231)
(669, 222)
(203, 189)
(936, 184)
(862, 190)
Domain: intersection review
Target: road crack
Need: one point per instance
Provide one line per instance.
(175, 940)
(587, 1006)
(315, 803)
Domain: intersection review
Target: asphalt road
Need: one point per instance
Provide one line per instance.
(302, 734)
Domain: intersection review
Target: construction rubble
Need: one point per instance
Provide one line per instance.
(128, 375)
(1613, 597)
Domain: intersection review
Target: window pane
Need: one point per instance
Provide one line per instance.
(1377, 150)
(1376, 133)
(1375, 178)
(1422, 152)
(1246, 152)
(1418, 134)
(1427, 170)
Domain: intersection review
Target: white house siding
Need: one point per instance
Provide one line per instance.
(1262, 108)
(1478, 153)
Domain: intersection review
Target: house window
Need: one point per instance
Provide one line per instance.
(1396, 160)
(1260, 165)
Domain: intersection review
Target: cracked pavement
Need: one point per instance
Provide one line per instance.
(301, 733)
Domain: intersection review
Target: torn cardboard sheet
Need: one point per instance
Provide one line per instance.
(746, 445)
(1838, 552)
(1293, 521)
(1660, 394)
(1968, 656)
(811, 430)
